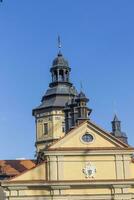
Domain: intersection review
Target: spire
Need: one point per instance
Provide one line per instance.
(81, 86)
(59, 42)
(59, 46)
(116, 124)
(116, 118)
(116, 129)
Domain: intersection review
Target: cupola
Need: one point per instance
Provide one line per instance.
(60, 70)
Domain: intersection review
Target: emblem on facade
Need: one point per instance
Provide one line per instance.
(89, 170)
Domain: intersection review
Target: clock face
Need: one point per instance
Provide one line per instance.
(87, 137)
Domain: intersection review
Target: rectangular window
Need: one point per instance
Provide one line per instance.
(45, 128)
(63, 127)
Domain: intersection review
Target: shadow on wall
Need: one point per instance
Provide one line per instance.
(2, 194)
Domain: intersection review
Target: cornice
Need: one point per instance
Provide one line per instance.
(89, 151)
(73, 183)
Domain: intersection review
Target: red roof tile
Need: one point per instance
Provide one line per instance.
(15, 167)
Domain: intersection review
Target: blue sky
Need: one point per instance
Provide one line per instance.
(98, 41)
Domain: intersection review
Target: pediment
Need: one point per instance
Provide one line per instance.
(95, 138)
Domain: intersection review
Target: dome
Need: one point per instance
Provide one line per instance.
(60, 61)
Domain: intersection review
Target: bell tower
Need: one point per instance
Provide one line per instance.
(116, 130)
(49, 115)
(60, 70)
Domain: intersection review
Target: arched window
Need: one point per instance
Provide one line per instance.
(61, 76)
(67, 76)
(55, 76)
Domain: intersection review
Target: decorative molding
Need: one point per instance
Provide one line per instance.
(89, 170)
(87, 143)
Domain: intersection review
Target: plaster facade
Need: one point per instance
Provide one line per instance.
(61, 175)
(85, 163)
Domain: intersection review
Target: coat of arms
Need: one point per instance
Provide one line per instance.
(89, 170)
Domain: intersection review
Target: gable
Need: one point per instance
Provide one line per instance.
(100, 138)
(37, 173)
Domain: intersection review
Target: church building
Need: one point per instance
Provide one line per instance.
(75, 158)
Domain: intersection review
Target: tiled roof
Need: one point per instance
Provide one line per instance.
(10, 168)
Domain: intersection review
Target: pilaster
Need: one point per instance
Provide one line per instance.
(119, 167)
(53, 170)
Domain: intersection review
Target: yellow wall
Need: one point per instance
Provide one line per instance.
(108, 167)
(71, 167)
(37, 173)
(131, 169)
(86, 191)
(34, 192)
(74, 139)
(68, 166)
(54, 120)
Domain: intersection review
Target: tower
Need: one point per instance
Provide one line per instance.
(49, 115)
(116, 130)
(83, 110)
(76, 111)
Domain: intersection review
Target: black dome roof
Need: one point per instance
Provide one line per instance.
(60, 61)
(57, 96)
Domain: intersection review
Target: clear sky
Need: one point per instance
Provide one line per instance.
(98, 41)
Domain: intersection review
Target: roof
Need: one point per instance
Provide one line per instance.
(60, 61)
(55, 101)
(10, 168)
(57, 96)
(115, 118)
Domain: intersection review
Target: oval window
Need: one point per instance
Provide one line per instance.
(87, 137)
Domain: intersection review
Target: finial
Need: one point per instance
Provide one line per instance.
(115, 107)
(59, 42)
(59, 46)
(81, 86)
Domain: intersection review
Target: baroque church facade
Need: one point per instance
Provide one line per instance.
(76, 159)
